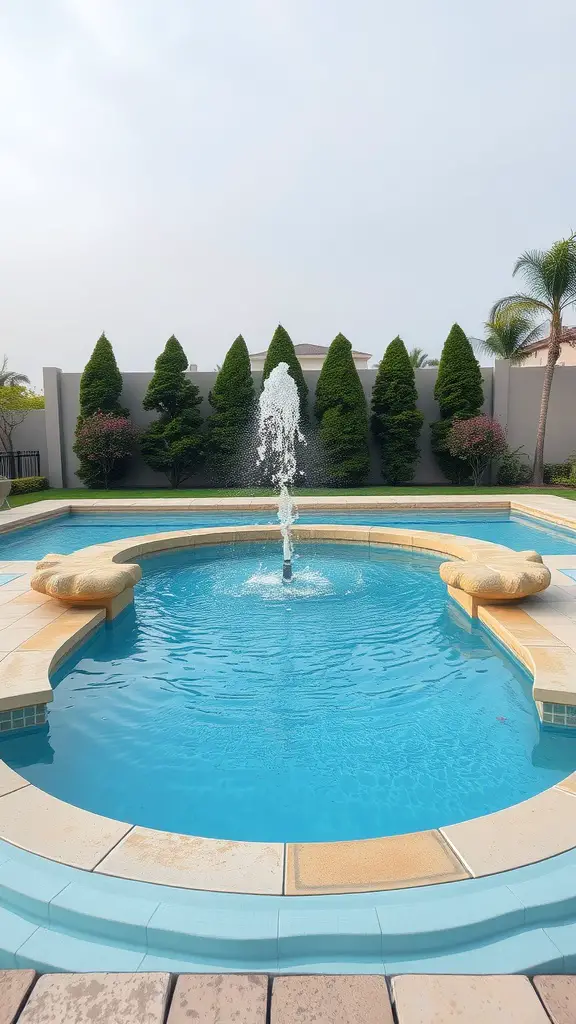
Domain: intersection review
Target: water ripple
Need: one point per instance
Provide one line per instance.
(354, 702)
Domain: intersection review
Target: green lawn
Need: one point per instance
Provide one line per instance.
(25, 499)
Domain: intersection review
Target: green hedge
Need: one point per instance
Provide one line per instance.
(458, 391)
(342, 413)
(232, 399)
(396, 422)
(554, 470)
(27, 484)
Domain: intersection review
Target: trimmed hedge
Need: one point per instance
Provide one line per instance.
(342, 411)
(27, 484)
(232, 399)
(553, 471)
(100, 390)
(396, 422)
(101, 381)
(174, 443)
(459, 393)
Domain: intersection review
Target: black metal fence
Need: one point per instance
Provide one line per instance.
(18, 464)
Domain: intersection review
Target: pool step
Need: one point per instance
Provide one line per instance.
(57, 918)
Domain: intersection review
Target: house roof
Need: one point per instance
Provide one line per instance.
(314, 350)
(568, 335)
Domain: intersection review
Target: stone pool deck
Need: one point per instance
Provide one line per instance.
(260, 999)
(40, 631)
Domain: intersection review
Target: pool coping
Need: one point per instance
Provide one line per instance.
(524, 833)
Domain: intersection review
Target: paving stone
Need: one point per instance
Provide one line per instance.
(558, 993)
(466, 999)
(323, 999)
(219, 999)
(14, 987)
(98, 999)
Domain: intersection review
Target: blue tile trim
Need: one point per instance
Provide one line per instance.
(53, 917)
(23, 718)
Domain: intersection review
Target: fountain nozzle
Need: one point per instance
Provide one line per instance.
(286, 570)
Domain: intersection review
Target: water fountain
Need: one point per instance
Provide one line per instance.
(278, 433)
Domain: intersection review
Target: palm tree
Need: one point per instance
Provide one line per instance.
(508, 336)
(11, 379)
(551, 287)
(419, 358)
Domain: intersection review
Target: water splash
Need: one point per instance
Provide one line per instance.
(278, 434)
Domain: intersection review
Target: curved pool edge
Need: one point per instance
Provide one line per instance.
(57, 918)
(524, 833)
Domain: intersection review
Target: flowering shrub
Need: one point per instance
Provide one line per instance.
(103, 440)
(476, 441)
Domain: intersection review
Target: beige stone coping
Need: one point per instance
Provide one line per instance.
(551, 508)
(33, 820)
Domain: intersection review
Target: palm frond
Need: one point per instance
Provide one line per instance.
(531, 265)
(418, 357)
(509, 333)
(522, 304)
(10, 378)
(551, 275)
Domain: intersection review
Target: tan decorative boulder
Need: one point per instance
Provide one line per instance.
(501, 578)
(93, 580)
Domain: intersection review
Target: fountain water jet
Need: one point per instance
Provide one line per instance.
(278, 433)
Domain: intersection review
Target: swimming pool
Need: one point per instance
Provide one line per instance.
(69, 532)
(358, 702)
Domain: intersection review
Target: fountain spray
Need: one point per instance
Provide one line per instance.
(278, 433)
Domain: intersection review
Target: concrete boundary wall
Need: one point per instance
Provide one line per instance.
(512, 394)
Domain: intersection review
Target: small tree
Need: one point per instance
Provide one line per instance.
(173, 444)
(476, 442)
(102, 441)
(341, 409)
(232, 399)
(281, 350)
(15, 404)
(100, 390)
(458, 391)
(550, 277)
(396, 422)
(101, 381)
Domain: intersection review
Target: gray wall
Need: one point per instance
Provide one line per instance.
(30, 435)
(63, 389)
(524, 393)
(511, 394)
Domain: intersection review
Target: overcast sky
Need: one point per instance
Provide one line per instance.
(210, 167)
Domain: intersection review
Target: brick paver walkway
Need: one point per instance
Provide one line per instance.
(305, 999)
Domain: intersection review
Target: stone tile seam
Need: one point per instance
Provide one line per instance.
(15, 790)
(455, 851)
(99, 863)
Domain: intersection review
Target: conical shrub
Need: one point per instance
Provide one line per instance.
(232, 399)
(174, 443)
(459, 394)
(396, 422)
(341, 410)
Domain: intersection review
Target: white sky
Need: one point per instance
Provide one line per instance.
(210, 167)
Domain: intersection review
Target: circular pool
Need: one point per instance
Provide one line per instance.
(357, 701)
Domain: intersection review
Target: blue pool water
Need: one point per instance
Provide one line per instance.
(70, 532)
(357, 702)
